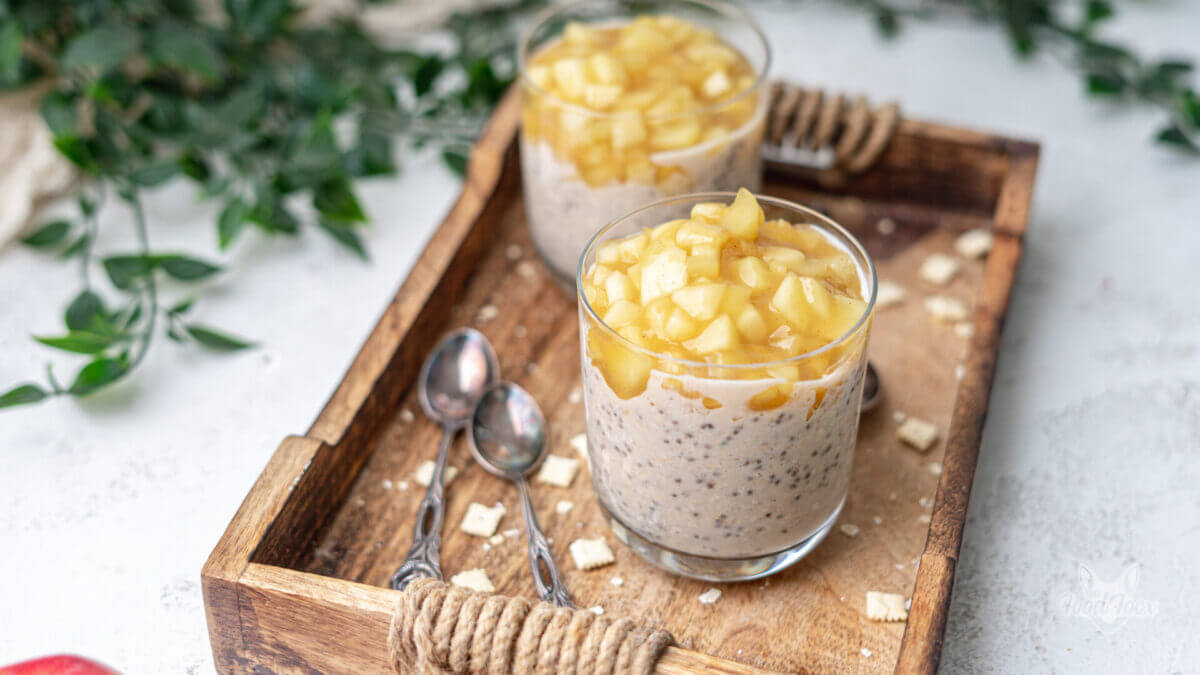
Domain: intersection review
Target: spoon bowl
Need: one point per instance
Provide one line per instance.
(508, 432)
(455, 375)
(508, 438)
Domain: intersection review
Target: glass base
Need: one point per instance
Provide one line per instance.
(718, 569)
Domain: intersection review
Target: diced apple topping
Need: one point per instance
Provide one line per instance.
(656, 78)
(723, 287)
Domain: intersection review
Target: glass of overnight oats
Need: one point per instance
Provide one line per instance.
(724, 346)
(620, 108)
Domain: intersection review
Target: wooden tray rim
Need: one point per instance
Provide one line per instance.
(361, 400)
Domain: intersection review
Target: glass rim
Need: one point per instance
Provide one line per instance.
(822, 219)
(727, 8)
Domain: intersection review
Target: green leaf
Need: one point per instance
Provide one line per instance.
(75, 150)
(187, 48)
(84, 310)
(1189, 107)
(48, 235)
(98, 374)
(78, 246)
(103, 47)
(335, 200)
(231, 221)
(124, 270)
(456, 160)
(257, 17)
(22, 395)
(195, 167)
(184, 268)
(182, 307)
(345, 236)
(1098, 10)
(215, 339)
(241, 108)
(1106, 83)
(10, 52)
(318, 149)
(887, 22)
(80, 342)
(427, 74)
(1175, 137)
(155, 173)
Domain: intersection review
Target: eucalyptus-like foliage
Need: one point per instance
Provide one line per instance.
(255, 108)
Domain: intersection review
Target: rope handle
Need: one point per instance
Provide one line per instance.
(439, 628)
(813, 119)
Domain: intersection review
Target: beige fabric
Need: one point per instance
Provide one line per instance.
(438, 628)
(31, 169)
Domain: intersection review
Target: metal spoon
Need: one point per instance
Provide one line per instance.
(457, 372)
(508, 438)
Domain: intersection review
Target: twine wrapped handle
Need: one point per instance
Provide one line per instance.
(813, 118)
(438, 628)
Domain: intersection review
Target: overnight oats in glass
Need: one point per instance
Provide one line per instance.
(619, 109)
(724, 347)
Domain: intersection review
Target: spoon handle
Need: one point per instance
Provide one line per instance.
(550, 586)
(423, 558)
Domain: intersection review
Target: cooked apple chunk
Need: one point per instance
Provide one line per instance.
(696, 290)
(655, 81)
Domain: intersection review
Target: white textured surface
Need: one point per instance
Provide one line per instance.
(108, 507)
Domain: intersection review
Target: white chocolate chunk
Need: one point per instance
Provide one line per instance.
(406, 416)
(387, 484)
(617, 581)
(710, 596)
(488, 312)
(964, 329)
(973, 243)
(589, 554)
(849, 529)
(496, 539)
(918, 433)
(580, 443)
(563, 507)
(938, 269)
(558, 471)
(526, 269)
(476, 580)
(890, 293)
(597, 610)
(946, 309)
(482, 521)
(886, 606)
(424, 473)
(935, 468)
(865, 652)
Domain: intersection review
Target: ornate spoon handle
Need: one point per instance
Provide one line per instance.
(550, 586)
(423, 558)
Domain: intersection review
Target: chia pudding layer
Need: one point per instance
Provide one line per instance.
(564, 212)
(729, 482)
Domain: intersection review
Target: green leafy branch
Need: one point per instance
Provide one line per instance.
(258, 111)
(1108, 70)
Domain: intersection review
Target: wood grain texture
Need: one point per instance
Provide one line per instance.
(297, 582)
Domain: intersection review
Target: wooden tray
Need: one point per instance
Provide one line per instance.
(298, 581)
